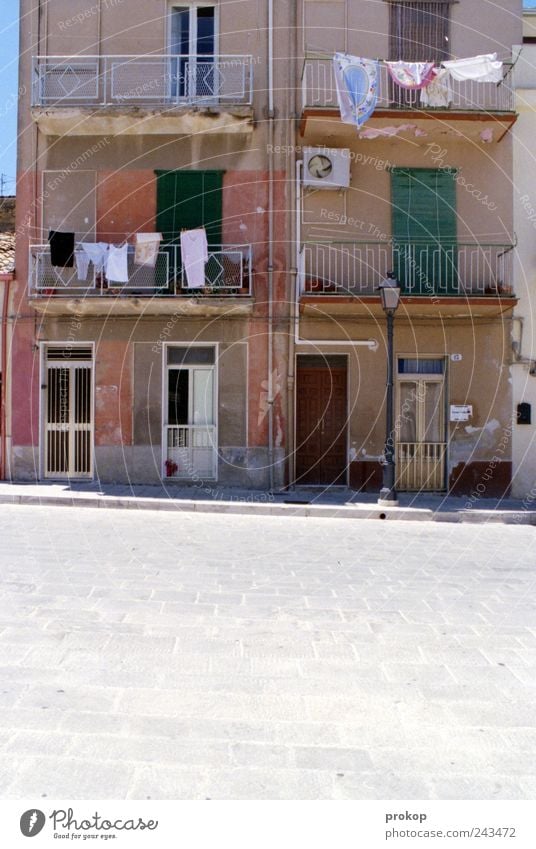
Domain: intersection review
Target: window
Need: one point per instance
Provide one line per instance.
(419, 32)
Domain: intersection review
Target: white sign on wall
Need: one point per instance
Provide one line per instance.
(461, 412)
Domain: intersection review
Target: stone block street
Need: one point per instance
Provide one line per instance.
(161, 655)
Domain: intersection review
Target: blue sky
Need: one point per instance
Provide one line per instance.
(9, 50)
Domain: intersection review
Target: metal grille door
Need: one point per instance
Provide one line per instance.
(68, 420)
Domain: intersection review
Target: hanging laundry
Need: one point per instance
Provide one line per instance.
(438, 93)
(61, 249)
(97, 253)
(481, 69)
(411, 75)
(117, 264)
(147, 247)
(82, 264)
(356, 81)
(194, 250)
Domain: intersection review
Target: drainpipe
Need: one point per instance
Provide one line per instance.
(271, 119)
(293, 56)
(5, 371)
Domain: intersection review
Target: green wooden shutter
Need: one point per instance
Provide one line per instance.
(189, 199)
(424, 229)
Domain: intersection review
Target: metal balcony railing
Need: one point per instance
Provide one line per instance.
(228, 273)
(152, 81)
(319, 92)
(423, 268)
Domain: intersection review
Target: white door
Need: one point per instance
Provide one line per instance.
(190, 415)
(68, 417)
(420, 427)
(194, 73)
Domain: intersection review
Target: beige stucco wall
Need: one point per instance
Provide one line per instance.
(498, 27)
(484, 209)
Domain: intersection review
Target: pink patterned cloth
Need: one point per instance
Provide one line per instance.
(411, 75)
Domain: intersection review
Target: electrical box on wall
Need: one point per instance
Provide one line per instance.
(523, 413)
(326, 168)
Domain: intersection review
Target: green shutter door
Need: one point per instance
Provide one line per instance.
(186, 200)
(424, 230)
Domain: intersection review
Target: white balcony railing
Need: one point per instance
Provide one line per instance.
(191, 452)
(228, 272)
(151, 81)
(423, 269)
(318, 91)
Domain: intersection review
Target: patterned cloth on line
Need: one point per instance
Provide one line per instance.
(147, 247)
(411, 75)
(356, 81)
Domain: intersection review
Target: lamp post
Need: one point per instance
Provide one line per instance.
(390, 295)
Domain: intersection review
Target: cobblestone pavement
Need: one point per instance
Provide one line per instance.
(192, 656)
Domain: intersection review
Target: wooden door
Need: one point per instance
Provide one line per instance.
(321, 422)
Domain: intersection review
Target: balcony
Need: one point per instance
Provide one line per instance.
(158, 290)
(479, 104)
(447, 279)
(88, 95)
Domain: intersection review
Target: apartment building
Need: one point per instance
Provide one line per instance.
(143, 118)
(424, 192)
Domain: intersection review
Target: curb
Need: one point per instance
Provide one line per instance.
(320, 511)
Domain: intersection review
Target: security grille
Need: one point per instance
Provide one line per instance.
(68, 418)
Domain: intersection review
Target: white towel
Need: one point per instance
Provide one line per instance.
(194, 250)
(117, 265)
(147, 246)
(97, 253)
(482, 69)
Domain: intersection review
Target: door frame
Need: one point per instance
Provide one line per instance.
(346, 355)
(43, 387)
(191, 4)
(177, 343)
(433, 378)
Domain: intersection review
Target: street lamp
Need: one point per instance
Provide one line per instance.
(390, 295)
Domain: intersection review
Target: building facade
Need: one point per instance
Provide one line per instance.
(155, 117)
(523, 370)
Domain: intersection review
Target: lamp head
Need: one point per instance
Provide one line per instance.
(390, 293)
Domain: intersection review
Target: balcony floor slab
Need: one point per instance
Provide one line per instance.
(142, 306)
(135, 121)
(325, 126)
(413, 308)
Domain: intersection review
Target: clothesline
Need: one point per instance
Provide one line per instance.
(328, 56)
(356, 81)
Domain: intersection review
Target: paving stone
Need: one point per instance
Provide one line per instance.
(230, 656)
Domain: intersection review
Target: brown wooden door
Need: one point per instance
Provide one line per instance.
(321, 424)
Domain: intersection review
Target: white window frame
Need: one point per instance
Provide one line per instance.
(215, 399)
